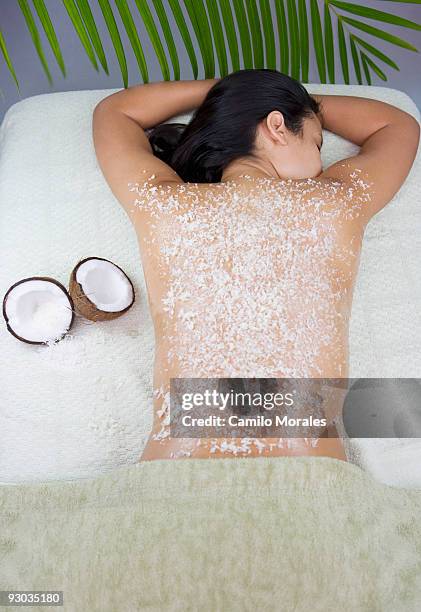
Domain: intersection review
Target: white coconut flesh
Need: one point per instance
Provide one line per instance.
(38, 310)
(105, 285)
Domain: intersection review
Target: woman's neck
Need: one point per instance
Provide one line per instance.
(238, 171)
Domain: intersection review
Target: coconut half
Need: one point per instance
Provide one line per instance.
(38, 310)
(100, 290)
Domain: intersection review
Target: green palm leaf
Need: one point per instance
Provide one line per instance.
(243, 29)
(395, 40)
(318, 40)
(375, 51)
(148, 20)
(330, 49)
(80, 30)
(294, 39)
(33, 30)
(343, 52)
(199, 20)
(268, 30)
(283, 35)
(50, 33)
(370, 13)
(206, 35)
(130, 27)
(115, 37)
(256, 34)
(166, 28)
(185, 35)
(304, 46)
(355, 59)
(228, 20)
(365, 66)
(251, 20)
(376, 69)
(218, 36)
(8, 60)
(90, 25)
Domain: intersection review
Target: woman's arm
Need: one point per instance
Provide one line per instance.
(121, 145)
(388, 137)
(356, 118)
(154, 103)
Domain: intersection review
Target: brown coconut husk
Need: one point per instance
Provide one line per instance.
(83, 304)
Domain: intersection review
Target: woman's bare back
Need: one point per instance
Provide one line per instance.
(247, 278)
(237, 286)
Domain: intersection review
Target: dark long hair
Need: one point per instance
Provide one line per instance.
(223, 128)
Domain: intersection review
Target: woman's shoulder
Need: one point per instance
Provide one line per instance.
(152, 188)
(155, 197)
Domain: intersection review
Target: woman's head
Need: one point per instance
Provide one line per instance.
(253, 117)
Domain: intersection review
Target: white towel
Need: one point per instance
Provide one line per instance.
(84, 406)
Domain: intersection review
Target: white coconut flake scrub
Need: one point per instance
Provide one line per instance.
(247, 278)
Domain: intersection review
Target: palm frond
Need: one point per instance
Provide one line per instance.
(115, 38)
(268, 31)
(304, 45)
(355, 59)
(294, 38)
(405, 1)
(154, 36)
(206, 37)
(199, 20)
(45, 20)
(90, 25)
(365, 67)
(318, 40)
(218, 36)
(130, 27)
(79, 26)
(185, 35)
(36, 39)
(226, 30)
(256, 34)
(370, 13)
(343, 54)
(166, 28)
(283, 35)
(376, 69)
(244, 32)
(330, 50)
(229, 23)
(7, 59)
(375, 51)
(395, 40)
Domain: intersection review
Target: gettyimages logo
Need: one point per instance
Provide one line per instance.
(295, 407)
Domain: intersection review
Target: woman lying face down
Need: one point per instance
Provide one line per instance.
(250, 249)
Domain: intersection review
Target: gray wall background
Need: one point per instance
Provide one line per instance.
(82, 75)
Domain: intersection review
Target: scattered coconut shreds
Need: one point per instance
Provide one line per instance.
(258, 276)
(73, 352)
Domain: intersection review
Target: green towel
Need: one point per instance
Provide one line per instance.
(284, 533)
